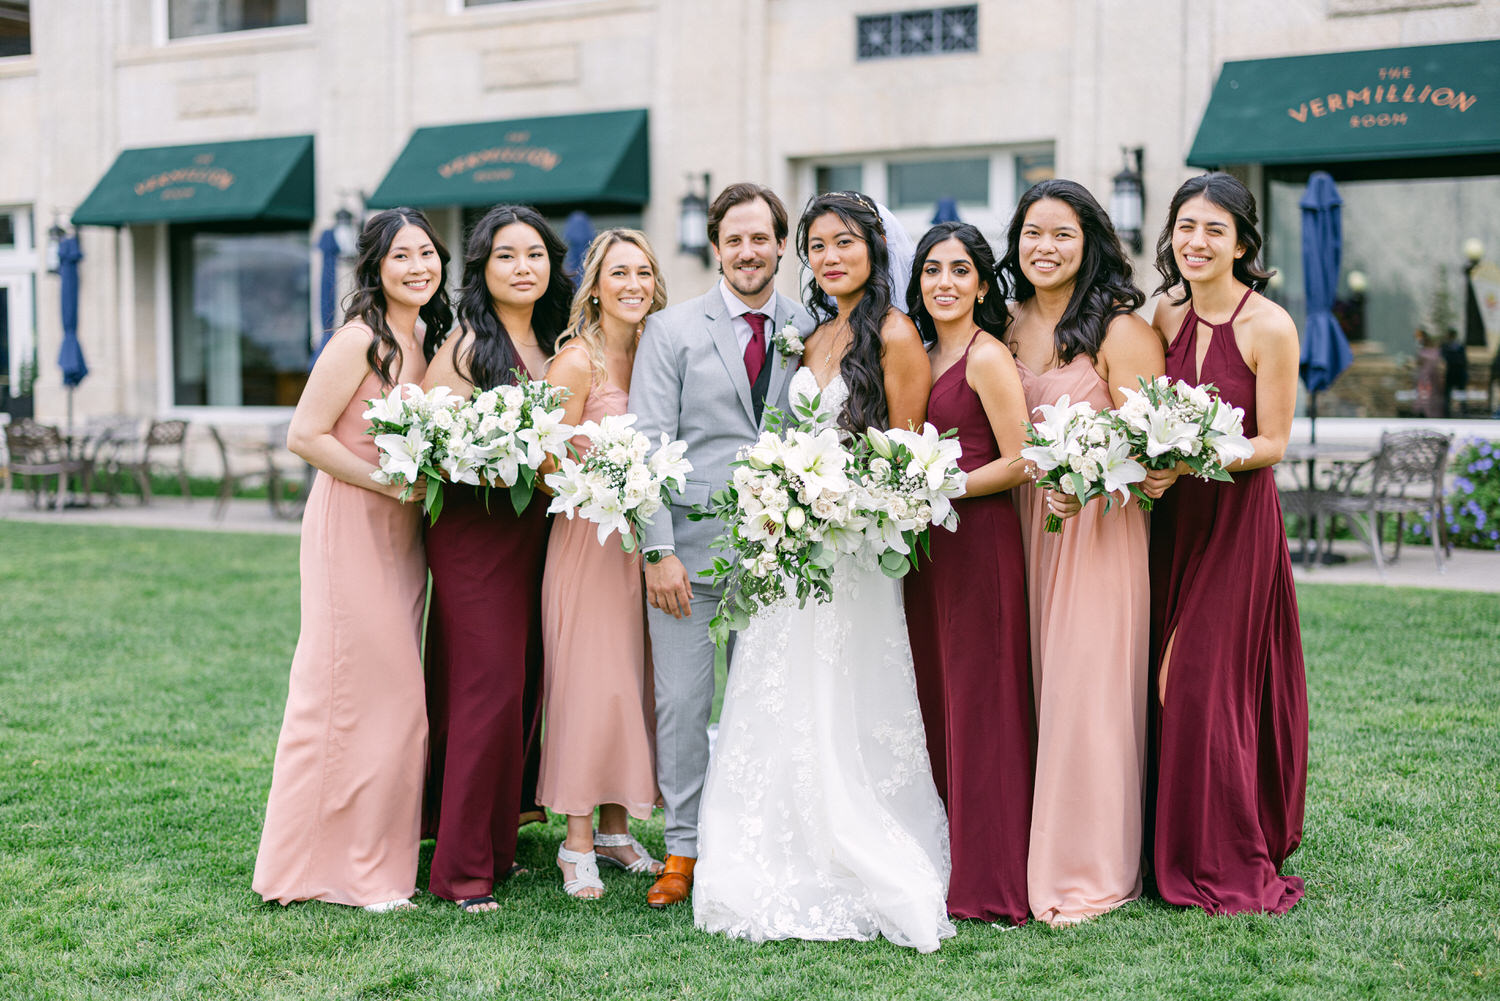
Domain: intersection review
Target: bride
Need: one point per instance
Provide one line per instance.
(820, 819)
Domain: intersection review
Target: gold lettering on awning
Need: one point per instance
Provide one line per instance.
(1384, 92)
(216, 177)
(539, 157)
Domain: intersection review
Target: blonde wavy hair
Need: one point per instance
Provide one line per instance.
(584, 321)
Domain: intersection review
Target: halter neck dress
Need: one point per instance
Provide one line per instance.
(1231, 736)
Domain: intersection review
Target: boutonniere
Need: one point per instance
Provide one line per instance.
(788, 341)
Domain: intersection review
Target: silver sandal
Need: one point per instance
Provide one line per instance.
(585, 872)
(643, 862)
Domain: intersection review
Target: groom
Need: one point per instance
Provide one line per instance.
(705, 373)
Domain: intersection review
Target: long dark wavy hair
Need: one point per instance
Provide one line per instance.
(366, 303)
(990, 315)
(861, 366)
(491, 357)
(1228, 193)
(1103, 288)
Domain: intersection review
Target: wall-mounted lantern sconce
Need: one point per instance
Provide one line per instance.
(55, 235)
(1127, 203)
(692, 222)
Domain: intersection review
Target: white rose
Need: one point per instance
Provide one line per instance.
(795, 519)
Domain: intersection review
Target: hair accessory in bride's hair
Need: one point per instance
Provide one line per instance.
(864, 200)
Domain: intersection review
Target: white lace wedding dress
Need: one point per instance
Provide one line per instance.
(819, 817)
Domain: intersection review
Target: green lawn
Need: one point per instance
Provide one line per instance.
(142, 677)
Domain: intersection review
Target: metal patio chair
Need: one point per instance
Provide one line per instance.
(1404, 477)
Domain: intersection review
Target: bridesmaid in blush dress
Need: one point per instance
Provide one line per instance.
(598, 749)
(484, 650)
(966, 608)
(1231, 736)
(1075, 334)
(343, 817)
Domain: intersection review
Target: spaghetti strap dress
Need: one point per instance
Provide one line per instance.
(1231, 735)
(484, 684)
(343, 815)
(1090, 655)
(966, 615)
(600, 742)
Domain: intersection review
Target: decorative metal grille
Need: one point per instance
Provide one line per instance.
(918, 32)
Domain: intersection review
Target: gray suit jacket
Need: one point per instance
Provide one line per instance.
(689, 381)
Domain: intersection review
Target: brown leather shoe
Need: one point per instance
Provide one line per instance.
(674, 884)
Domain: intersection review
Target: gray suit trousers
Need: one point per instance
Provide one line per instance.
(683, 661)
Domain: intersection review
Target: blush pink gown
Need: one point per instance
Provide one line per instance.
(1090, 631)
(344, 812)
(599, 743)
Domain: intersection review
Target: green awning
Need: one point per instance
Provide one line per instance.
(598, 158)
(1416, 101)
(205, 182)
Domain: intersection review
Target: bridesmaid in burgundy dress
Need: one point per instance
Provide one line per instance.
(484, 642)
(966, 609)
(1231, 754)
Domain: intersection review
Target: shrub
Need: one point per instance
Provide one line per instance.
(1471, 503)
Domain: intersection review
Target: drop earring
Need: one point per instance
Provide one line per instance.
(981, 298)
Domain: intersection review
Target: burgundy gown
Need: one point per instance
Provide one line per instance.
(1231, 747)
(966, 614)
(484, 689)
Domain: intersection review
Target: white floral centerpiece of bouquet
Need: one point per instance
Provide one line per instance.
(514, 429)
(1170, 422)
(790, 509)
(908, 480)
(498, 437)
(1078, 451)
(618, 483)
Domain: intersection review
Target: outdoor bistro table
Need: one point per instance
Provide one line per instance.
(1319, 471)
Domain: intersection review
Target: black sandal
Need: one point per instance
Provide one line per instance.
(473, 904)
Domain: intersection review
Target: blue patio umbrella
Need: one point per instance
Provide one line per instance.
(947, 211)
(578, 233)
(1325, 349)
(328, 290)
(70, 355)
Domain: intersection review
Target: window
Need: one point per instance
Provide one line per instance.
(840, 177)
(15, 28)
(918, 32)
(187, 18)
(241, 316)
(1034, 168)
(983, 184)
(921, 184)
(1406, 238)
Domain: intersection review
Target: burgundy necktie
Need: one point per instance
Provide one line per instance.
(755, 351)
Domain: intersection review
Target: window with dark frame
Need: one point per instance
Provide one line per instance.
(190, 18)
(15, 28)
(917, 32)
(241, 315)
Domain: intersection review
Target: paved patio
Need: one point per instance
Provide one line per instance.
(1465, 570)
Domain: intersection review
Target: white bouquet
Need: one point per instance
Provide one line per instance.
(615, 484)
(511, 430)
(907, 480)
(1079, 452)
(411, 430)
(1167, 423)
(496, 438)
(789, 510)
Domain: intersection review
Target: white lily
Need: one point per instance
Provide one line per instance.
(1117, 469)
(404, 452)
(819, 461)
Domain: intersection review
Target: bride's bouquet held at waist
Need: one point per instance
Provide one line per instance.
(789, 511)
(496, 438)
(1078, 451)
(800, 497)
(618, 483)
(1170, 422)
